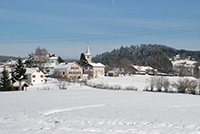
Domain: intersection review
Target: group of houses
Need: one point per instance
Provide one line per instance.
(73, 70)
(68, 70)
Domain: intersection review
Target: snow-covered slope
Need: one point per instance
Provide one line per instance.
(84, 110)
(141, 82)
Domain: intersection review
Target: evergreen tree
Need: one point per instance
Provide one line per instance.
(60, 59)
(5, 82)
(83, 60)
(30, 61)
(19, 73)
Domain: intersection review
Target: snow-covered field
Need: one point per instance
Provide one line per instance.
(85, 110)
(141, 82)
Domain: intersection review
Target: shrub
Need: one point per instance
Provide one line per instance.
(117, 87)
(151, 82)
(182, 85)
(192, 86)
(199, 87)
(106, 86)
(166, 84)
(159, 83)
(131, 88)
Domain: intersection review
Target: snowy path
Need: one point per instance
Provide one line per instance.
(88, 111)
(71, 109)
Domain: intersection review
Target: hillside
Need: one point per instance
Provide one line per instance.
(6, 58)
(156, 56)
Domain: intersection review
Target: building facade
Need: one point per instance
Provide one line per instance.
(35, 76)
(70, 71)
(91, 68)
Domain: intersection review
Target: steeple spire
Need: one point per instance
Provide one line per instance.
(88, 50)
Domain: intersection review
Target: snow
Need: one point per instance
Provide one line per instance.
(186, 62)
(142, 67)
(31, 70)
(85, 110)
(96, 64)
(141, 82)
(64, 65)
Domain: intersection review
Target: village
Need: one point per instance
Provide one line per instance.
(41, 66)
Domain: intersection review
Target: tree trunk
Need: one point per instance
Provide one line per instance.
(20, 86)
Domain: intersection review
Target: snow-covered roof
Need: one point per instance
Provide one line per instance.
(96, 64)
(142, 67)
(64, 65)
(12, 62)
(52, 58)
(16, 84)
(30, 70)
(113, 70)
(49, 64)
(186, 62)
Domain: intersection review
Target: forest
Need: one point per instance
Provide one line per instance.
(153, 55)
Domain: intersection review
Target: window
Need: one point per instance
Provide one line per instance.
(63, 73)
(41, 80)
(33, 80)
(42, 76)
(33, 76)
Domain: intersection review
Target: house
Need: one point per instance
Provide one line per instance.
(51, 62)
(10, 63)
(94, 70)
(35, 76)
(115, 72)
(71, 70)
(91, 68)
(184, 67)
(24, 85)
(142, 69)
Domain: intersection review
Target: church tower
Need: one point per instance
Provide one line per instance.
(88, 55)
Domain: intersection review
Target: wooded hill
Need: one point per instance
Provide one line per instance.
(156, 56)
(6, 58)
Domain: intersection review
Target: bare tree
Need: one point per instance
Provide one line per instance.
(192, 86)
(41, 57)
(152, 83)
(62, 82)
(166, 84)
(199, 87)
(182, 85)
(159, 83)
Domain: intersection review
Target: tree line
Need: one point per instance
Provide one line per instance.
(155, 55)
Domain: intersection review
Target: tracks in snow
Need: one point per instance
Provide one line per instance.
(71, 109)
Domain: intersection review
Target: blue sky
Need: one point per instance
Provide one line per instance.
(64, 27)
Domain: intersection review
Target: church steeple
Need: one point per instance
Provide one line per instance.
(88, 55)
(87, 50)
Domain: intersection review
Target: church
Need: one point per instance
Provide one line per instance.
(94, 70)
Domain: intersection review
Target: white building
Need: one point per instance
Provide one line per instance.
(94, 69)
(71, 70)
(142, 69)
(35, 76)
(51, 62)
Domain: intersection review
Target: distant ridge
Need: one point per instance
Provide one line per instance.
(6, 58)
(154, 55)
